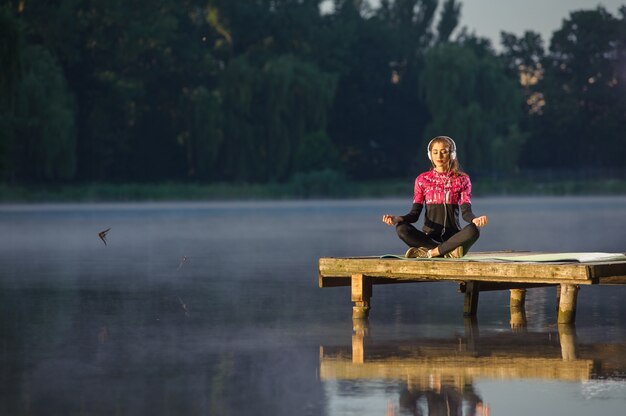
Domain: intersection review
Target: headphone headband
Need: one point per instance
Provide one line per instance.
(449, 140)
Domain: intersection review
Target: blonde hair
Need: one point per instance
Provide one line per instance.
(454, 165)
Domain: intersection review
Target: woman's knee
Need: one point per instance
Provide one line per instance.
(474, 231)
(403, 229)
(471, 234)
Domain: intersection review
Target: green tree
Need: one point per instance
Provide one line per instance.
(267, 112)
(133, 68)
(10, 72)
(448, 20)
(524, 58)
(378, 117)
(472, 100)
(10, 44)
(585, 90)
(204, 134)
(43, 148)
(237, 160)
(315, 153)
(358, 122)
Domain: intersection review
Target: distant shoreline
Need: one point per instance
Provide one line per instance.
(291, 190)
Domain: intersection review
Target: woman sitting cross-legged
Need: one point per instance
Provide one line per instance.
(445, 190)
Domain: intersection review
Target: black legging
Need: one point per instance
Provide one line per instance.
(416, 238)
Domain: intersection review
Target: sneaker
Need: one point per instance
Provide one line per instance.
(457, 253)
(417, 252)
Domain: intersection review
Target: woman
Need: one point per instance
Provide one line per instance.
(444, 189)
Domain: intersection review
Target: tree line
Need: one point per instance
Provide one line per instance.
(259, 91)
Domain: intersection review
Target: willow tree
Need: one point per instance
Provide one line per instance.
(44, 133)
(202, 135)
(267, 111)
(470, 98)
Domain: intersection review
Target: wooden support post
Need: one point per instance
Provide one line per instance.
(567, 304)
(470, 306)
(361, 295)
(472, 333)
(518, 298)
(518, 310)
(518, 319)
(567, 338)
(359, 332)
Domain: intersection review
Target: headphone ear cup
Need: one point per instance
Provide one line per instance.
(429, 156)
(453, 155)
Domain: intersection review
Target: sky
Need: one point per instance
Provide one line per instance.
(486, 18)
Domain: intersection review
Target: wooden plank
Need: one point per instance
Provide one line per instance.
(495, 282)
(600, 269)
(611, 280)
(331, 281)
(608, 273)
(474, 269)
(338, 281)
(488, 283)
(456, 270)
(491, 286)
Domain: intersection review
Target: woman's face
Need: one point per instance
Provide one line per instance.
(440, 154)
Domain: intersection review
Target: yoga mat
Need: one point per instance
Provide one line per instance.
(584, 257)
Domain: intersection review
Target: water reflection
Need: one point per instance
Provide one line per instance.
(441, 399)
(435, 376)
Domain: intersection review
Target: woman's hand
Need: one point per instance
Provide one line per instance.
(481, 221)
(391, 219)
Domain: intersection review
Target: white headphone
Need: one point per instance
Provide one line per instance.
(452, 147)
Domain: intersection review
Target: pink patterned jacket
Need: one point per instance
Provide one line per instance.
(444, 194)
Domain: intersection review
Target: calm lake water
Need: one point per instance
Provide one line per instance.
(214, 309)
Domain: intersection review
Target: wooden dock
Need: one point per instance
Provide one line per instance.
(361, 273)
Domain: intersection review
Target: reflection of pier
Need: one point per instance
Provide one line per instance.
(458, 361)
(474, 277)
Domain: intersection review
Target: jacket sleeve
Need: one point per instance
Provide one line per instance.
(418, 203)
(466, 200)
(466, 212)
(414, 214)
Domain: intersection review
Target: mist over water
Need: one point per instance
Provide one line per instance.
(236, 327)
